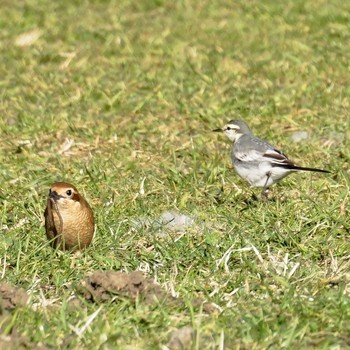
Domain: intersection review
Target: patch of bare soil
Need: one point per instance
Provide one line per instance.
(181, 338)
(18, 342)
(11, 297)
(103, 286)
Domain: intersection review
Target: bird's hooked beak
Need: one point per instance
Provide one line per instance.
(54, 195)
(218, 130)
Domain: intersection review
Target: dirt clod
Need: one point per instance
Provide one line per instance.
(18, 342)
(11, 297)
(103, 286)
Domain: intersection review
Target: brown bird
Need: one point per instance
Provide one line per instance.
(69, 221)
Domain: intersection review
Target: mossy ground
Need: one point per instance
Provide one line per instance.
(119, 98)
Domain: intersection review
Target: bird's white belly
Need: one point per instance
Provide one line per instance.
(260, 174)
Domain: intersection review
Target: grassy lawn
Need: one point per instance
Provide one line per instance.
(119, 98)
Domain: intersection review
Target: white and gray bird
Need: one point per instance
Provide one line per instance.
(257, 161)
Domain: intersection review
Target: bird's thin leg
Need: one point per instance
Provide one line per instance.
(265, 190)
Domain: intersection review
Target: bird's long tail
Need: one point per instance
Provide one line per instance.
(300, 168)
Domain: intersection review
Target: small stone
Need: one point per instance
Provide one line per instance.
(28, 38)
(299, 136)
(176, 221)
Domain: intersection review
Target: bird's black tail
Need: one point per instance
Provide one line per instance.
(300, 168)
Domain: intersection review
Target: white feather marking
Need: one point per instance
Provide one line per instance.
(250, 156)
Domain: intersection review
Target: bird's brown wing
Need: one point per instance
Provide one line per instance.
(51, 231)
(277, 158)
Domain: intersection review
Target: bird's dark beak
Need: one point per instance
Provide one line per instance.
(218, 130)
(54, 195)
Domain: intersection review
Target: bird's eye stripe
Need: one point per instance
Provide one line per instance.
(232, 127)
(76, 197)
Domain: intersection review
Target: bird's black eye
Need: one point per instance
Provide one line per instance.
(69, 192)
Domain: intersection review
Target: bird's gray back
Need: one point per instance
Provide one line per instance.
(248, 143)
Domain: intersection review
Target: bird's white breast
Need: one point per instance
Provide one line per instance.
(257, 173)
